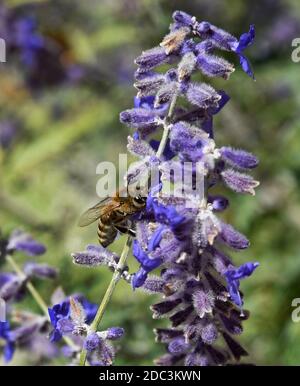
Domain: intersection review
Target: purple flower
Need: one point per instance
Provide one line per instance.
(142, 257)
(28, 40)
(9, 347)
(100, 352)
(11, 286)
(144, 102)
(156, 238)
(20, 241)
(20, 336)
(166, 215)
(39, 270)
(61, 312)
(246, 39)
(139, 278)
(89, 308)
(103, 355)
(233, 277)
(147, 264)
(187, 141)
(207, 124)
(7, 133)
(56, 313)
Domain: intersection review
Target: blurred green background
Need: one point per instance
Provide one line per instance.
(60, 119)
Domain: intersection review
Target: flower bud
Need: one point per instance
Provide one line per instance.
(239, 182)
(151, 58)
(214, 66)
(181, 316)
(219, 203)
(202, 95)
(203, 302)
(92, 342)
(138, 117)
(186, 66)
(165, 94)
(221, 38)
(232, 237)
(153, 284)
(93, 256)
(21, 241)
(238, 158)
(209, 333)
(149, 85)
(164, 335)
(237, 350)
(114, 333)
(40, 270)
(183, 18)
(178, 346)
(139, 148)
(173, 41)
(11, 287)
(162, 308)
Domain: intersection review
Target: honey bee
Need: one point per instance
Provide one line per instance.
(113, 215)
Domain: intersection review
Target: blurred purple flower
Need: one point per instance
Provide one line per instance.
(7, 133)
(28, 40)
(9, 347)
(21, 241)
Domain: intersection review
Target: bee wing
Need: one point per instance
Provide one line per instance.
(96, 212)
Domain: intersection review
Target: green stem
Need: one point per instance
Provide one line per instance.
(108, 294)
(35, 294)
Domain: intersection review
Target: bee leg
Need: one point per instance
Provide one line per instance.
(124, 229)
(131, 232)
(121, 228)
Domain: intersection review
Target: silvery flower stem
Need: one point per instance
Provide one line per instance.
(108, 294)
(35, 294)
(166, 124)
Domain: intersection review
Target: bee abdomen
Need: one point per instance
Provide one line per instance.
(106, 233)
